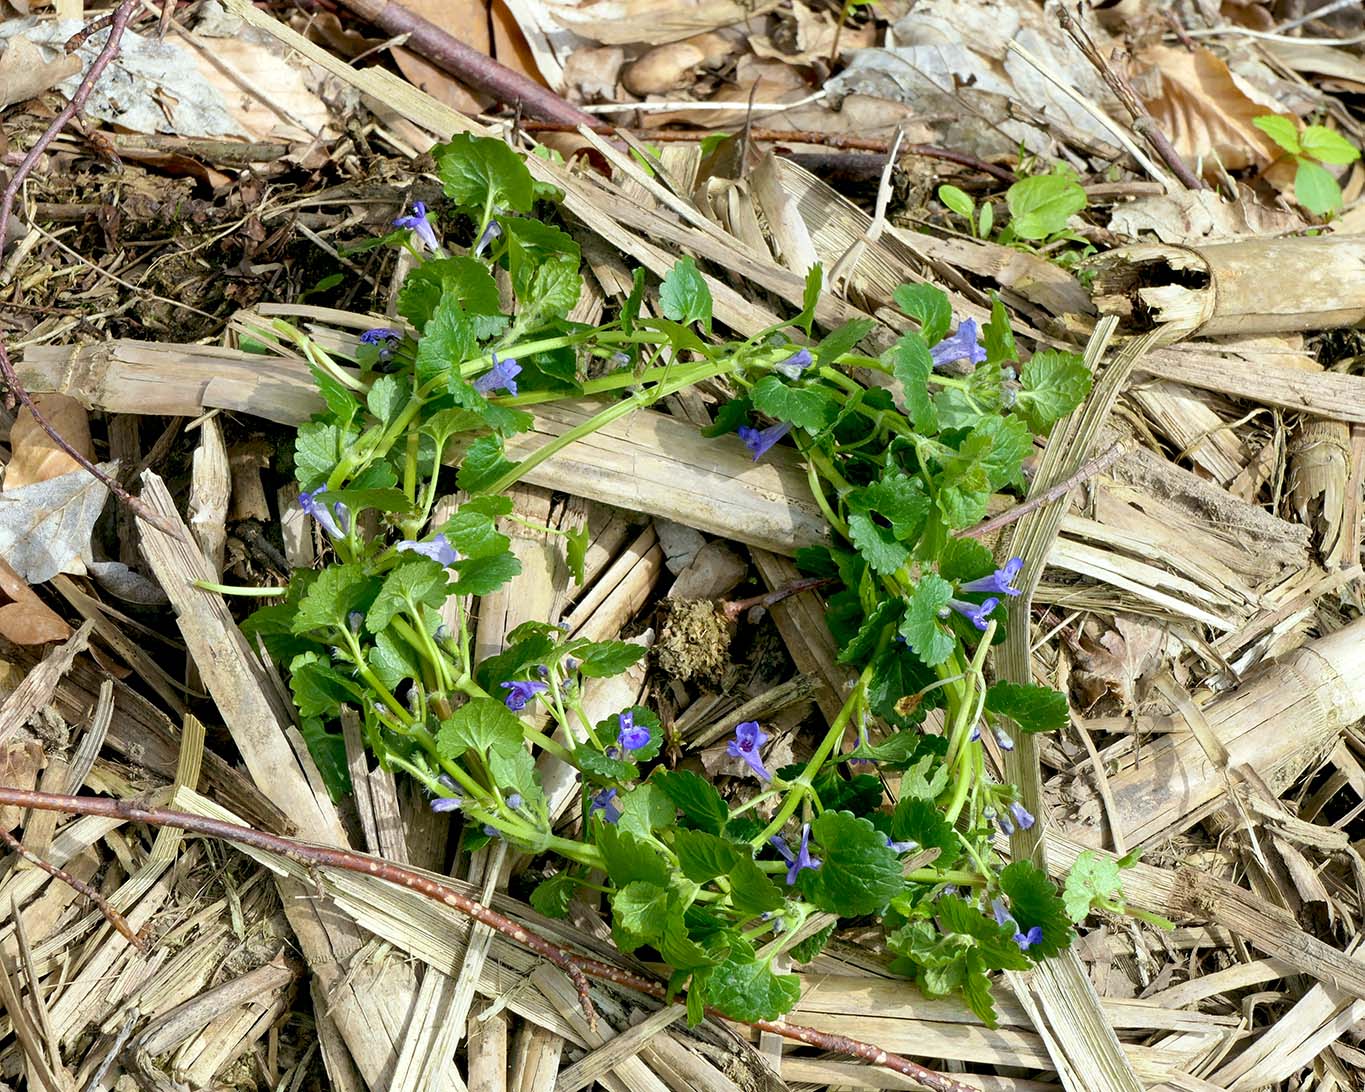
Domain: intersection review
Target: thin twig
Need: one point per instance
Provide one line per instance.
(733, 608)
(575, 966)
(1098, 465)
(840, 141)
(1143, 122)
(117, 920)
(117, 23)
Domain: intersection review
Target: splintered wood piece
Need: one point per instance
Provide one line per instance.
(606, 1057)
(488, 1051)
(37, 689)
(1252, 286)
(210, 488)
(535, 1059)
(1320, 474)
(530, 595)
(1294, 707)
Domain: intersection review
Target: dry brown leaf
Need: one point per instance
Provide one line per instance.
(20, 762)
(1201, 216)
(1118, 661)
(590, 74)
(37, 458)
(653, 22)
(24, 618)
(765, 81)
(1206, 109)
(805, 36)
(467, 20)
(510, 46)
(24, 73)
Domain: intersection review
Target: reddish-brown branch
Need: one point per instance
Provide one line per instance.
(842, 141)
(469, 65)
(574, 965)
(117, 23)
(117, 920)
(733, 608)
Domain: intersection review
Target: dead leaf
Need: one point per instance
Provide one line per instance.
(804, 36)
(467, 20)
(1206, 109)
(24, 73)
(20, 762)
(37, 458)
(45, 527)
(510, 46)
(1119, 661)
(766, 81)
(628, 22)
(1201, 216)
(590, 74)
(24, 618)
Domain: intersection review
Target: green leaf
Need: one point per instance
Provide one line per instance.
(628, 859)
(553, 290)
(860, 794)
(898, 677)
(927, 776)
(1010, 443)
(1280, 129)
(604, 658)
(329, 600)
(955, 200)
(804, 406)
(483, 464)
(576, 543)
(599, 767)
(994, 942)
(383, 500)
(341, 400)
(483, 726)
(813, 945)
(317, 449)
(552, 897)
(864, 644)
(921, 627)
(474, 533)
(751, 891)
(329, 752)
(318, 688)
(919, 820)
(998, 335)
(703, 857)
(696, 798)
(512, 661)
(1327, 145)
(684, 296)
(877, 543)
(630, 311)
(729, 417)
(748, 990)
(480, 172)
(928, 305)
(1034, 901)
(388, 395)
(449, 340)
(393, 660)
(1042, 205)
(900, 500)
(1054, 384)
(645, 809)
(1092, 879)
(1032, 708)
(482, 575)
(639, 914)
(515, 771)
(464, 281)
(843, 339)
(1315, 189)
(858, 873)
(414, 581)
(810, 297)
(912, 364)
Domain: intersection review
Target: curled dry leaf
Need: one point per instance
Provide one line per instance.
(1120, 659)
(24, 618)
(45, 527)
(663, 69)
(24, 73)
(1206, 109)
(37, 458)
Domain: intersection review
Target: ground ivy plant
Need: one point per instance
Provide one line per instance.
(717, 886)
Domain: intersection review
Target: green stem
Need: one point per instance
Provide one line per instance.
(248, 593)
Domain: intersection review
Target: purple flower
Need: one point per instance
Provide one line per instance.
(1001, 912)
(417, 221)
(1029, 939)
(502, 375)
(383, 338)
(901, 847)
(749, 737)
(1004, 822)
(1000, 582)
(491, 232)
(959, 346)
(438, 549)
(759, 440)
(355, 620)
(320, 512)
(514, 800)
(343, 516)
(1003, 738)
(976, 613)
(631, 737)
(447, 803)
(521, 692)
(802, 860)
(795, 364)
(442, 632)
(605, 802)
(975, 737)
(492, 831)
(1021, 815)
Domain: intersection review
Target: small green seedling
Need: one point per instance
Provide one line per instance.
(1314, 186)
(1039, 207)
(1095, 883)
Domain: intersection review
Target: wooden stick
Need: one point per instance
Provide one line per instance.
(575, 966)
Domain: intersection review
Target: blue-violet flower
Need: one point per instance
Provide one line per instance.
(795, 364)
(759, 441)
(901, 847)
(1021, 815)
(749, 737)
(501, 376)
(521, 692)
(438, 548)
(1003, 738)
(801, 860)
(491, 232)
(417, 221)
(447, 803)
(631, 736)
(959, 346)
(605, 802)
(320, 512)
(1000, 582)
(977, 614)
(514, 800)
(1025, 940)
